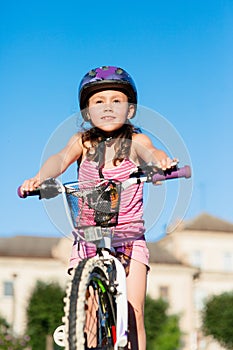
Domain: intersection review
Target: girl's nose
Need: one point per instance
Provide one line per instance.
(108, 107)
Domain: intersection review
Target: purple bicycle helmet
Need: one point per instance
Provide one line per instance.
(106, 78)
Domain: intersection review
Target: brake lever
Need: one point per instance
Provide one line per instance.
(50, 188)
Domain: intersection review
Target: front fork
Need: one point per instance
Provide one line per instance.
(121, 302)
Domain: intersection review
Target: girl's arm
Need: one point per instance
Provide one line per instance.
(56, 164)
(146, 151)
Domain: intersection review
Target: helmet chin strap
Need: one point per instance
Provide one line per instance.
(107, 139)
(109, 136)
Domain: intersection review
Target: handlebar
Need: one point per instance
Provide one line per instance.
(51, 188)
(173, 174)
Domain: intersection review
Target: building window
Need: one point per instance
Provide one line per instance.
(227, 262)
(199, 299)
(196, 258)
(8, 289)
(164, 293)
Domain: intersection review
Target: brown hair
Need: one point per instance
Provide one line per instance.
(97, 139)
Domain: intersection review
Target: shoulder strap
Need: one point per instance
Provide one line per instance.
(101, 150)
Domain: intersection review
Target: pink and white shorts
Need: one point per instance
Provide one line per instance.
(136, 250)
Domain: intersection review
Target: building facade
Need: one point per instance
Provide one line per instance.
(206, 245)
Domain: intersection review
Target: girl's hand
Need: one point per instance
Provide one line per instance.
(166, 163)
(30, 185)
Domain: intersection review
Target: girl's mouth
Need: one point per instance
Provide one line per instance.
(108, 117)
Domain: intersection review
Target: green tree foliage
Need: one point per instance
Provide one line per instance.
(44, 313)
(162, 330)
(170, 336)
(8, 341)
(217, 319)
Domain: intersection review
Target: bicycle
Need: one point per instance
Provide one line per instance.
(96, 310)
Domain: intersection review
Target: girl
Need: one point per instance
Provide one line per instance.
(110, 149)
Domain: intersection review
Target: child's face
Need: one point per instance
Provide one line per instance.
(109, 110)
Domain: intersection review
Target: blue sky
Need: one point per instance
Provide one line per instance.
(180, 54)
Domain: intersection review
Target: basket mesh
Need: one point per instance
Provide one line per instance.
(94, 204)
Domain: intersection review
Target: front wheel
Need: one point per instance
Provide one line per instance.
(90, 311)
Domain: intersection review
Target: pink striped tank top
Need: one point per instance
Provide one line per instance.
(130, 220)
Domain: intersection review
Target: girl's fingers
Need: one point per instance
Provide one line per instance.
(167, 163)
(29, 185)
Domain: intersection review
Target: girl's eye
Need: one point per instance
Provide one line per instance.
(116, 101)
(98, 101)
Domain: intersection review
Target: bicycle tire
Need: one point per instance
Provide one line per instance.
(90, 311)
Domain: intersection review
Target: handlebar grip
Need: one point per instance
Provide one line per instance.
(181, 172)
(49, 188)
(27, 193)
